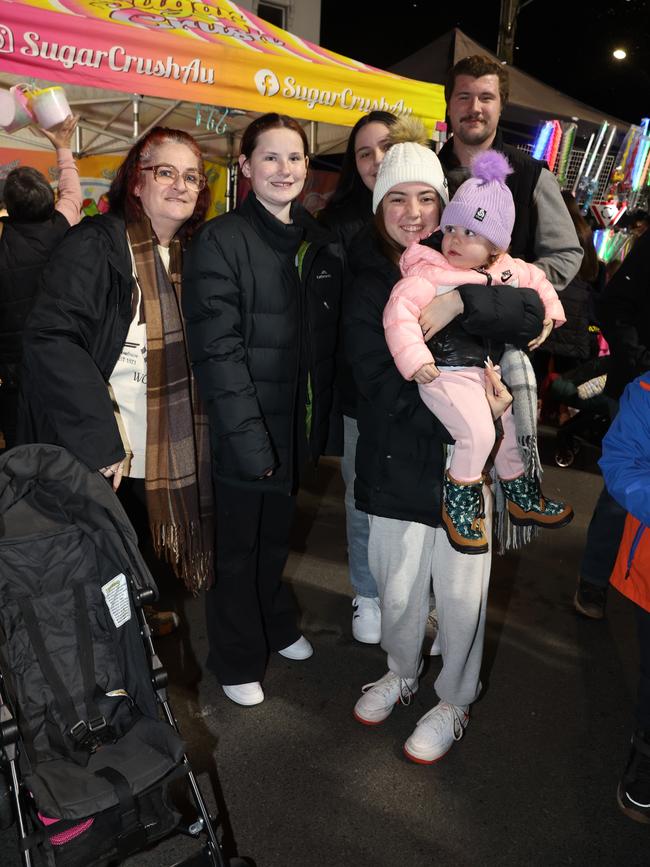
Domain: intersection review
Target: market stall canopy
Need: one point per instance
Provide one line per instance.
(530, 99)
(189, 54)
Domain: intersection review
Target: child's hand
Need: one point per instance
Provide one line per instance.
(546, 330)
(427, 373)
(497, 394)
(439, 312)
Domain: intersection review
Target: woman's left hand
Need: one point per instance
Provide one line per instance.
(114, 473)
(439, 313)
(546, 330)
(497, 394)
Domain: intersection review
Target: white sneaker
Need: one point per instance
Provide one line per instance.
(300, 649)
(436, 733)
(244, 693)
(379, 698)
(366, 620)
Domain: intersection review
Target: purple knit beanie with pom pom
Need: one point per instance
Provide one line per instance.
(484, 204)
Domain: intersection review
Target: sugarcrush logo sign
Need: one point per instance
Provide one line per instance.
(268, 84)
(116, 58)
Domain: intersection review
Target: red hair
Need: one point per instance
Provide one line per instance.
(121, 195)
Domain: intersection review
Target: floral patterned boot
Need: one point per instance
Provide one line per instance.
(528, 507)
(463, 516)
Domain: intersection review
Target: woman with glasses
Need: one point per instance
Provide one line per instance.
(106, 373)
(261, 305)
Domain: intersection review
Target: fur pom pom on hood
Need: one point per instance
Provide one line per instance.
(490, 166)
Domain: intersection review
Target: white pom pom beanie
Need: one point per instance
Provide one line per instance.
(407, 162)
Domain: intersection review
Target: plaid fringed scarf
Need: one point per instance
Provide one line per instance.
(178, 482)
(517, 373)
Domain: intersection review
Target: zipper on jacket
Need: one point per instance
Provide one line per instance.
(633, 547)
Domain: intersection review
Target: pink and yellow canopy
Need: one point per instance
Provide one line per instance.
(206, 52)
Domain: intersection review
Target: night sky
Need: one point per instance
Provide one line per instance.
(565, 44)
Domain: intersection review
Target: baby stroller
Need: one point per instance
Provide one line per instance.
(88, 741)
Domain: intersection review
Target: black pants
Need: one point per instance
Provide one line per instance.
(249, 610)
(8, 415)
(643, 702)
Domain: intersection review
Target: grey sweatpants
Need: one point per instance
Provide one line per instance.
(404, 558)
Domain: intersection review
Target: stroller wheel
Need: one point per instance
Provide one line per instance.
(564, 457)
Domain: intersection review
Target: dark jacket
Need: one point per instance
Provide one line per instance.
(254, 331)
(73, 339)
(575, 340)
(346, 222)
(24, 250)
(400, 459)
(624, 311)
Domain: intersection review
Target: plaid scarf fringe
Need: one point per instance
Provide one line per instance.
(517, 372)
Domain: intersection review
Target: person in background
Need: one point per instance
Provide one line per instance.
(574, 343)
(261, 304)
(348, 211)
(638, 222)
(106, 373)
(624, 313)
(400, 461)
(35, 224)
(626, 469)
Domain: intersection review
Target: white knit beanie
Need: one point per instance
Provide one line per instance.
(409, 159)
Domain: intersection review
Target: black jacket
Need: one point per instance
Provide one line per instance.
(73, 339)
(254, 331)
(24, 251)
(400, 459)
(574, 340)
(624, 311)
(346, 222)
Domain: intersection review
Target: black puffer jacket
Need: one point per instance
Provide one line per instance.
(24, 251)
(624, 311)
(346, 222)
(254, 329)
(400, 459)
(73, 339)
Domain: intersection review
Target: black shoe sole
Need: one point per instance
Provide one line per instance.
(583, 612)
(633, 812)
(483, 549)
(531, 522)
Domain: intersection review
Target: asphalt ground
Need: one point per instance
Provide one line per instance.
(297, 782)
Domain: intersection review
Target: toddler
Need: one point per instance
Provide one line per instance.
(477, 226)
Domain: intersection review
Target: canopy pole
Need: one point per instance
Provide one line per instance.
(312, 137)
(231, 175)
(135, 104)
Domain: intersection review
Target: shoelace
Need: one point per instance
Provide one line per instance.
(405, 691)
(444, 711)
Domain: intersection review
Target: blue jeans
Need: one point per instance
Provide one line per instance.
(356, 522)
(603, 538)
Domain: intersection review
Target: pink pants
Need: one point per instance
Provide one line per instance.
(457, 398)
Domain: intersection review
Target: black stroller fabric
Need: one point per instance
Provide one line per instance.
(74, 666)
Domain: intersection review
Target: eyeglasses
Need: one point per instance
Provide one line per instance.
(168, 175)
